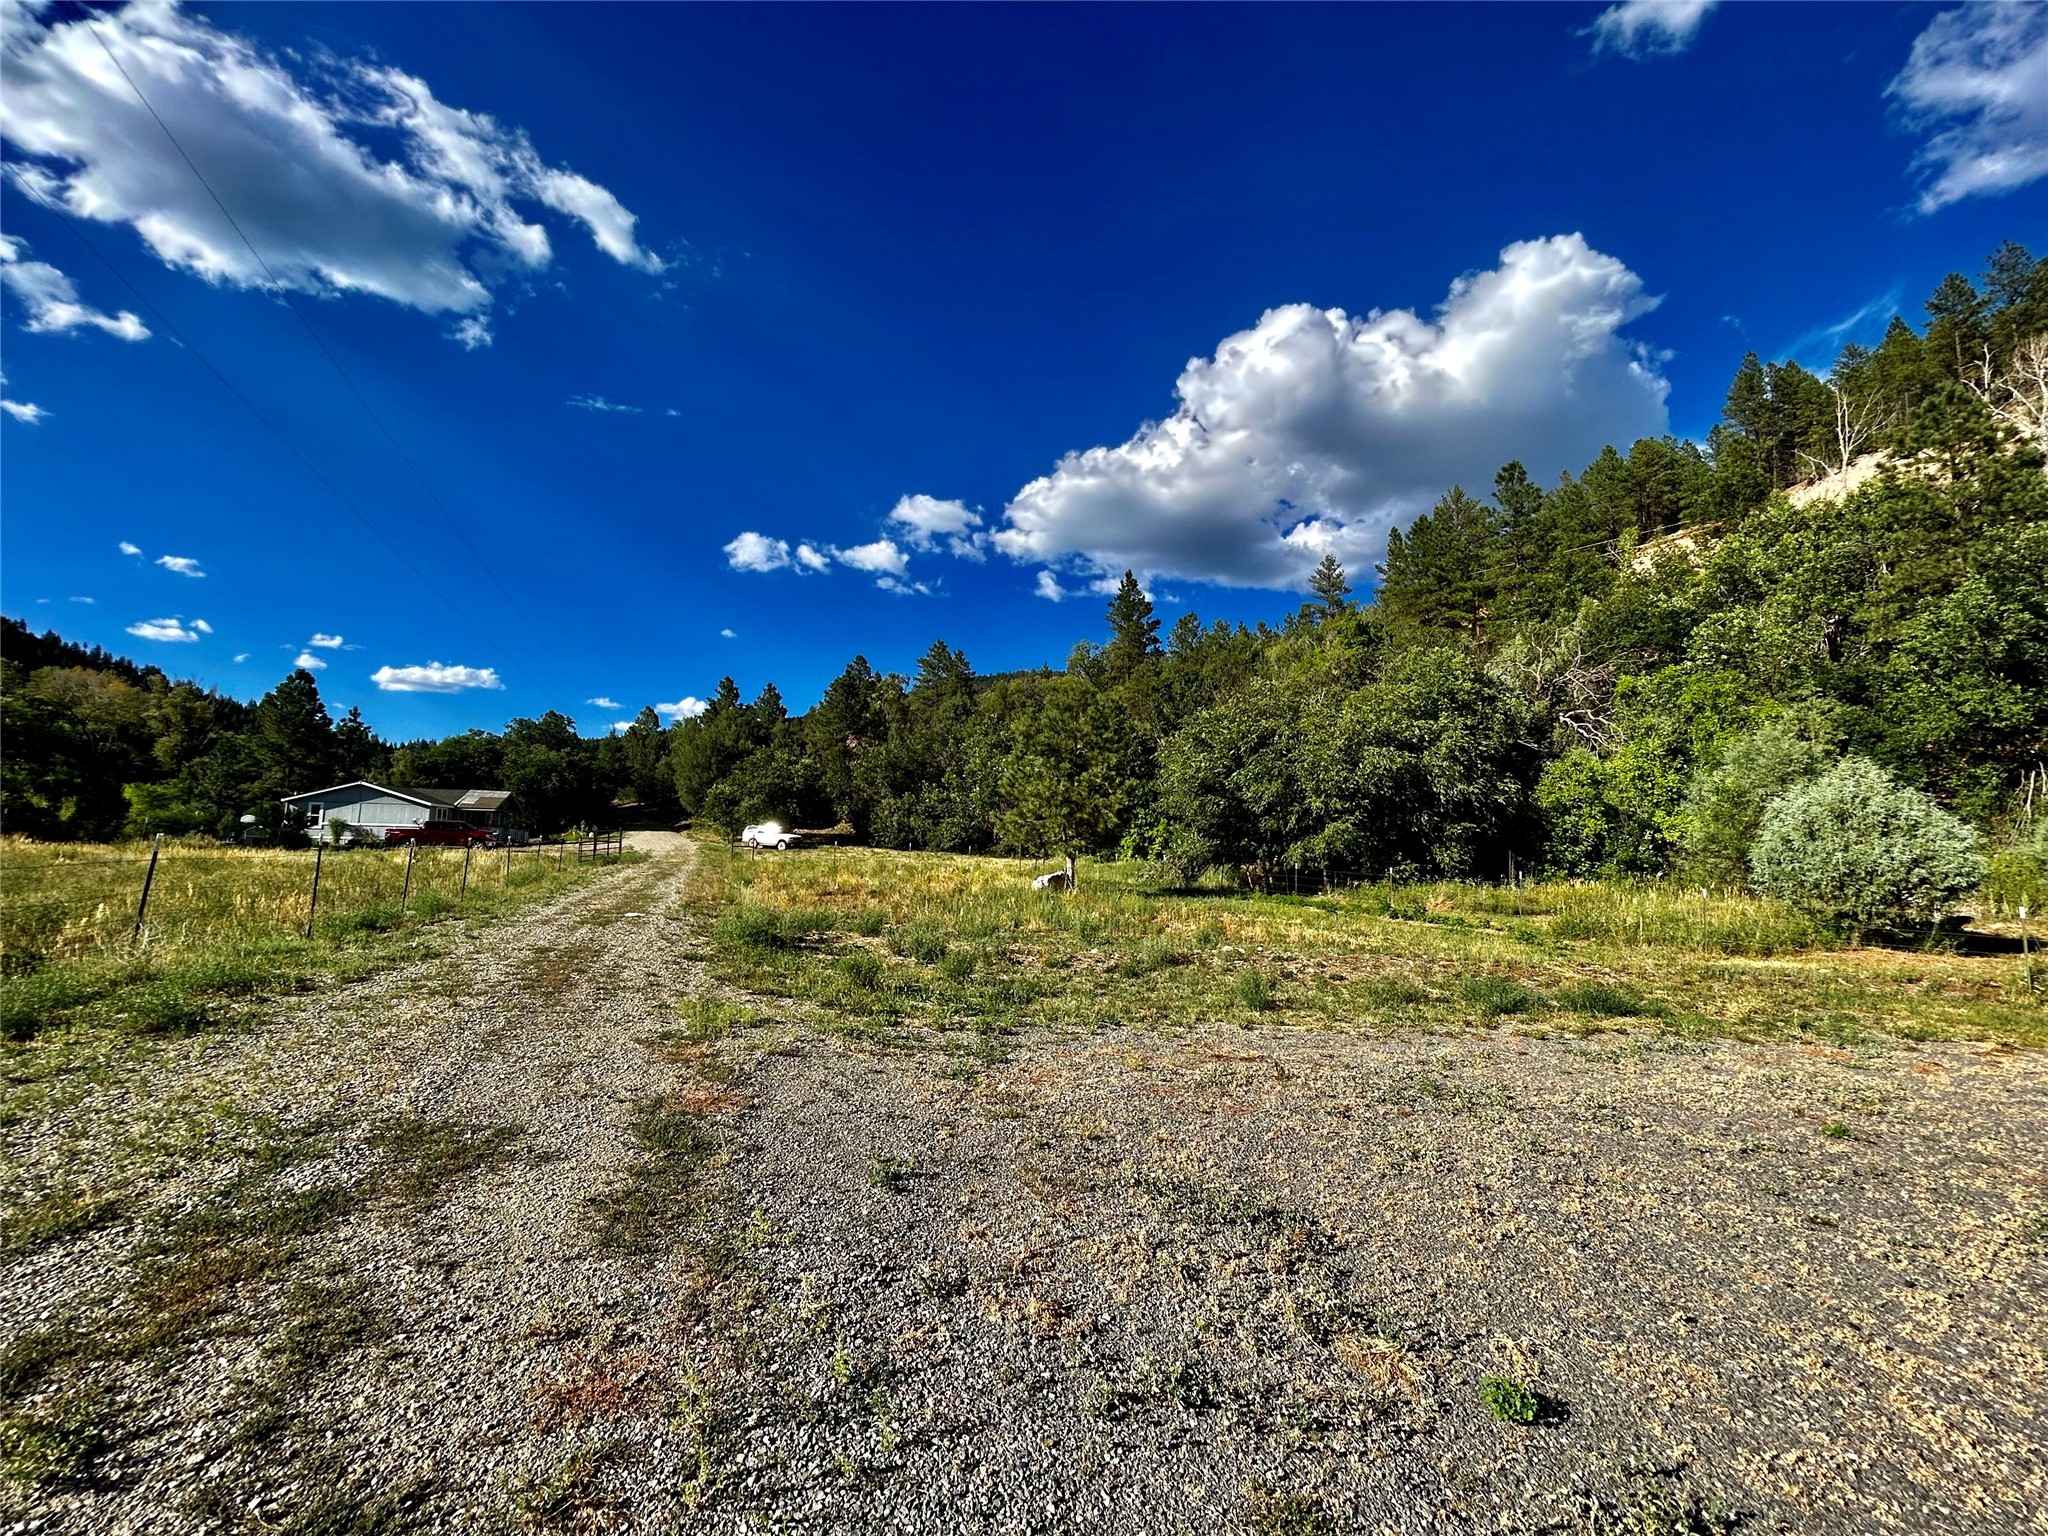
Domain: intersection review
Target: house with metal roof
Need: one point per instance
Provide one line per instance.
(374, 809)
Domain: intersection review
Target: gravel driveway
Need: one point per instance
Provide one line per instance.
(542, 1239)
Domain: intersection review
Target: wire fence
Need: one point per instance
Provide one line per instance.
(57, 903)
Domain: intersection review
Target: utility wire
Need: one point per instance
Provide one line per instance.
(284, 292)
(270, 426)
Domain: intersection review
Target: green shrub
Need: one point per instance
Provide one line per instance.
(1392, 992)
(1726, 804)
(1860, 850)
(1508, 1401)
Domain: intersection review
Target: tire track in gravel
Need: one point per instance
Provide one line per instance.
(481, 1297)
(496, 1290)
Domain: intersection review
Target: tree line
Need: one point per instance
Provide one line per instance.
(1611, 675)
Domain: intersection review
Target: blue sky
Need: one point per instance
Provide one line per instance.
(737, 340)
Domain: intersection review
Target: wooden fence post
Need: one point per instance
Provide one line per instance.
(156, 845)
(313, 906)
(405, 895)
(463, 895)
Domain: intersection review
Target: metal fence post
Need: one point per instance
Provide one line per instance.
(405, 895)
(156, 845)
(468, 850)
(313, 906)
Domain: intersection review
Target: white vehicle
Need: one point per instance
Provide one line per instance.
(770, 834)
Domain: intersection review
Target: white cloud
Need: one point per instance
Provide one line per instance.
(298, 150)
(435, 678)
(599, 403)
(241, 656)
(130, 549)
(881, 557)
(727, 634)
(620, 727)
(325, 642)
(1639, 29)
(1976, 84)
(604, 703)
(757, 552)
(24, 410)
(925, 520)
(686, 708)
(310, 662)
(173, 631)
(471, 332)
(84, 599)
(1314, 432)
(183, 565)
(51, 300)
(1050, 589)
(902, 587)
(810, 559)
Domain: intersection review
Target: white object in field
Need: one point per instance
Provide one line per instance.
(1053, 880)
(769, 834)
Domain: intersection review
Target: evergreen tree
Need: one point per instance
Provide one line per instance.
(1133, 631)
(1326, 583)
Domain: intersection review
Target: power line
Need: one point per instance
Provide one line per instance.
(284, 292)
(270, 426)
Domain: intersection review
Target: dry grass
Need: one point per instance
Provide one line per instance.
(891, 946)
(224, 923)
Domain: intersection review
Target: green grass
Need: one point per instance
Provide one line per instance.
(660, 1196)
(222, 924)
(907, 949)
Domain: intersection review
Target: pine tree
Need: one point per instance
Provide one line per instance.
(1955, 326)
(1326, 582)
(1133, 630)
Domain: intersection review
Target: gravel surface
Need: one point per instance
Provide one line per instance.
(1232, 1280)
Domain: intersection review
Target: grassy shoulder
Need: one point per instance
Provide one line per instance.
(230, 923)
(896, 946)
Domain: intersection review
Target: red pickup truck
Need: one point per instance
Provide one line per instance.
(441, 834)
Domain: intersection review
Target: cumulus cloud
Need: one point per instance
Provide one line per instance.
(51, 302)
(435, 678)
(173, 631)
(757, 552)
(1639, 29)
(1976, 83)
(183, 565)
(471, 332)
(130, 549)
(605, 703)
(810, 559)
(325, 642)
(687, 708)
(241, 656)
(727, 634)
(298, 152)
(24, 410)
(882, 557)
(925, 521)
(1315, 431)
(1050, 589)
(599, 403)
(310, 662)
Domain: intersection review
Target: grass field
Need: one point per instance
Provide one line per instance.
(224, 923)
(895, 946)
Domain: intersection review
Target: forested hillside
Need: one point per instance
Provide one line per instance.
(1608, 675)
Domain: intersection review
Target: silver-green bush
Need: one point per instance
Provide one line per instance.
(1858, 849)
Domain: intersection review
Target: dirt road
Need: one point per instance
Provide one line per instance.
(545, 1236)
